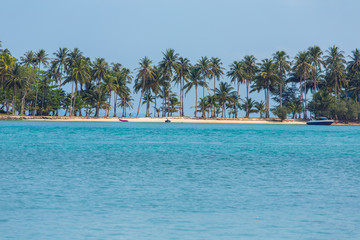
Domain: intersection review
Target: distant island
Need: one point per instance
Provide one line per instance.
(314, 83)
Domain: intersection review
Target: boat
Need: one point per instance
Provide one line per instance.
(167, 121)
(123, 120)
(320, 121)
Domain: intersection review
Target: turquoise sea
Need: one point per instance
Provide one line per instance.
(72, 180)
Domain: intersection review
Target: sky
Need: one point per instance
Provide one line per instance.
(125, 31)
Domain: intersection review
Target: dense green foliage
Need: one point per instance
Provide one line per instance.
(322, 84)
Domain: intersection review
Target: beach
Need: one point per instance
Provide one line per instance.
(156, 120)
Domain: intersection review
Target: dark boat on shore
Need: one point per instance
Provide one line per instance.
(167, 121)
(123, 120)
(320, 121)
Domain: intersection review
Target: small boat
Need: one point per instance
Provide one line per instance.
(123, 120)
(320, 121)
(167, 121)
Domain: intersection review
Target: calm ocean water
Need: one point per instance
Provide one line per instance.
(69, 180)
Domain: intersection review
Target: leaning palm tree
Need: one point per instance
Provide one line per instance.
(224, 94)
(250, 68)
(335, 66)
(283, 66)
(204, 66)
(267, 78)
(143, 78)
(237, 75)
(169, 65)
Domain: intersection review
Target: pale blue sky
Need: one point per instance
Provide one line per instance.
(125, 31)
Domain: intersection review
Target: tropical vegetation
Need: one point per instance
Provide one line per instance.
(313, 83)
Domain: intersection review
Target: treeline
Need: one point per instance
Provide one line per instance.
(322, 83)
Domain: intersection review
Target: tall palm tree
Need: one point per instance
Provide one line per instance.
(7, 64)
(216, 73)
(335, 65)
(353, 69)
(195, 80)
(79, 73)
(181, 78)
(303, 69)
(61, 61)
(100, 69)
(224, 93)
(315, 58)
(144, 76)
(169, 65)
(267, 78)
(250, 68)
(283, 66)
(14, 82)
(237, 75)
(204, 66)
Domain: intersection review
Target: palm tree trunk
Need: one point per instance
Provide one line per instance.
(115, 102)
(213, 114)
(142, 92)
(247, 98)
(280, 95)
(155, 105)
(23, 103)
(195, 100)
(237, 99)
(305, 108)
(71, 99)
(301, 95)
(13, 101)
(203, 105)
(164, 100)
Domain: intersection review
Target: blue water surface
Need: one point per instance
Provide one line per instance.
(75, 180)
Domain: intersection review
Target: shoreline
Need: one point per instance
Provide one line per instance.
(161, 120)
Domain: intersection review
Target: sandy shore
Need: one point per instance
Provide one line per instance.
(154, 120)
(160, 120)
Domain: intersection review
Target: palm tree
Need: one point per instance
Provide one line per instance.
(267, 78)
(7, 64)
(260, 108)
(250, 68)
(14, 82)
(28, 59)
(294, 107)
(100, 69)
(315, 58)
(182, 77)
(195, 81)
(61, 61)
(144, 76)
(79, 72)
(216, 73)
(335, 64)
(237, 75)
(283, 66)
(204, 66)
(303, 69)
(169, 65)
(224, 93)
(353, 69)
